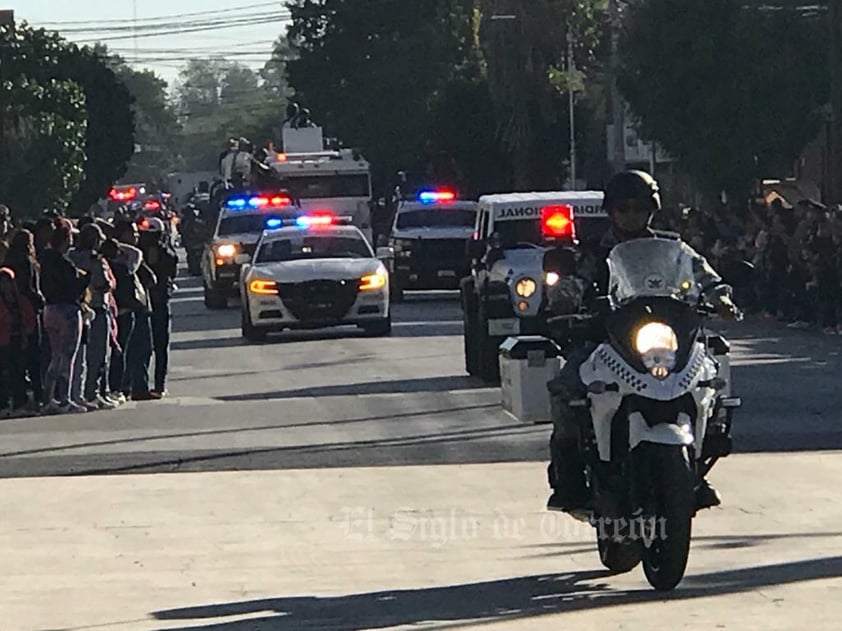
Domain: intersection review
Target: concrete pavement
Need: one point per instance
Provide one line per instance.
(281, 451)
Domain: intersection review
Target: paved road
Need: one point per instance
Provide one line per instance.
(283, 517)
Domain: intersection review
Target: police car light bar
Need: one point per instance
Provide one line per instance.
(557, 221)
(152, 204)
(316, 219)
(259, 202)
(430, 197)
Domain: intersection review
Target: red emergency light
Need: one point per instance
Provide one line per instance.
(122, 196)
(152, 204)
(557, 221)
(430, 197)
(317, 218)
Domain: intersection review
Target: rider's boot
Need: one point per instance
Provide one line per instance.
(706, 496)
(567, 478)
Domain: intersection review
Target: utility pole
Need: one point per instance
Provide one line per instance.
(571, 69)
(835, 148)
(618, 157)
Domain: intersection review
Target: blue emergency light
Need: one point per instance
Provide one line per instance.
(431, 197)
(259, 202)
(274, 223)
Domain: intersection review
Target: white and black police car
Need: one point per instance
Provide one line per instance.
(311, 272)
(429, 238)
(241, 221)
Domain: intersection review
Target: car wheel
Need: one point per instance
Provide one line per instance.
(214, 298)
(250, 332)
(381, 328)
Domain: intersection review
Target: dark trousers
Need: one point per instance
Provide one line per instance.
(34, 365)
(161, 330)
(566, 463)
(139, 356)
(118, 370)
(12, 375)
(827, 295)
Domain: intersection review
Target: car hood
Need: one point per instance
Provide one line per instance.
(317, 269)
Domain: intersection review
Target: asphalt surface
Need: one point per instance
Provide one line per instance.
(336, 398)
(294, 457)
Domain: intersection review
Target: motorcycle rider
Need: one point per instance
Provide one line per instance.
(631, 199)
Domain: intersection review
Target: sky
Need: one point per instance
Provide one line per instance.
(162, 45)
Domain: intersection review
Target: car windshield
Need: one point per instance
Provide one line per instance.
(314, 247)
(522, 231)
(242, 224)
(436, 218)
(317, 186)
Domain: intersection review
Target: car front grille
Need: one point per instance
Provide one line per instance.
(320, 300)
(440, 251)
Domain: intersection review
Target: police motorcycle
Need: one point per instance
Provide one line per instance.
(657, 414)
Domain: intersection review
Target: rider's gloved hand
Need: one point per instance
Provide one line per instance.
(726, 308)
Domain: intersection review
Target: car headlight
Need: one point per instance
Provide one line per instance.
(263, 287)
(373, 281)
(657, 344)
(525, 287)
(552, 278)
(226, 250)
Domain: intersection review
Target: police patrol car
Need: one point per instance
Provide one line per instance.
(241, 222)
(313, 272)
(505, 295)
(429, 237)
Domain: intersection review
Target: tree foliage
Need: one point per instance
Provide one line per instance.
(373, 72)
(732, 91)
(42, 123)
(37, 57)
(217, 100)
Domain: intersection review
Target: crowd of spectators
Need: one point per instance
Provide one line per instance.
(795, 253)
(83, 309)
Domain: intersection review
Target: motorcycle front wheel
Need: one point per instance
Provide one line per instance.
(665, 556)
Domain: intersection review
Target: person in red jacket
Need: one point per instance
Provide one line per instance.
(17, 321)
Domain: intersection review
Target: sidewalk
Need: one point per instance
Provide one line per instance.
(316, 549)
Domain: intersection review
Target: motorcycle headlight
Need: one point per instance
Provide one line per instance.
(657, 344)
(551, 278)
(525, 287)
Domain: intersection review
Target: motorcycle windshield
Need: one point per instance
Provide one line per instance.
(651, 268)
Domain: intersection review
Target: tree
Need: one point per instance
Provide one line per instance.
(110, 137)
(218, 100)
(371, 71)
(526, 56)
(42, 124)
(737, 103)
(157, 132)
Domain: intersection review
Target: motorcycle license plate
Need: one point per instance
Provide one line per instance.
(508, 326)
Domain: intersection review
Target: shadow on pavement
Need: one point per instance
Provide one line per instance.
(400, 386)
(479, 604)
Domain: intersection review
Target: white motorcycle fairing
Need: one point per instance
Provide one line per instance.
(607, 366)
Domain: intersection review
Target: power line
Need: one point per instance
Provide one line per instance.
(166, 17)
(181, 31)
(280, 15)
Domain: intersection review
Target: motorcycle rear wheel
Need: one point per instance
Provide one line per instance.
(665, 559)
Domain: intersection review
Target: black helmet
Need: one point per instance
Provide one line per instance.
(632, 185)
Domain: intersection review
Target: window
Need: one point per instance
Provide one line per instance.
(315, 186)
(436, 218)
(522, 231)
(242, 224)
(314, 247)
